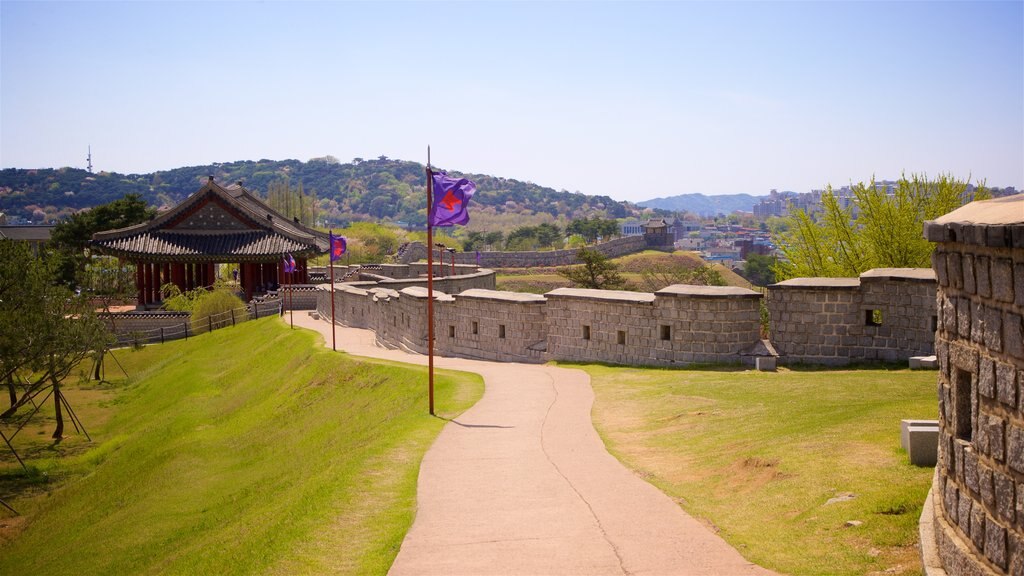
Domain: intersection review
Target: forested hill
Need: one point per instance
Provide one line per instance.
(359, 190)
(704, 205)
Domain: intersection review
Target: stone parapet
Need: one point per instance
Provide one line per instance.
(887, 314)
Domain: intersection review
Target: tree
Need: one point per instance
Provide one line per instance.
(593, 228)
(293, 202)
(660, 276)
(71, 237)
(875, 230)
(596, 272)
(46, 330)
(758, 269)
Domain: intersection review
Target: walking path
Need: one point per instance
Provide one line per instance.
(522, 484)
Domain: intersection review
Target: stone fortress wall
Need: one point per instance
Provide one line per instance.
(887, 314)
(832, 323)
(977, 512)
(614, 248)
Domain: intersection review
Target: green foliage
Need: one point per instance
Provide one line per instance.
(245, 451)
(885, 231)
(758, 269)
(45, 329)
(527, 238)
(71, 237)
(217, 308)
(381, 189)
(293, 203)
(369, 242)
(592, 228)
(596, 271)
(475, 240)
(659, 276)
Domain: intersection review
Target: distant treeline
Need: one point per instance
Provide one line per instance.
(378, 189)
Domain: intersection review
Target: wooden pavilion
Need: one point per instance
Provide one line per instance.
(214, 225)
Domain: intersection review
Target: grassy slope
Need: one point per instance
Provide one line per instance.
(249, 450)
(759, 454)
(545, 279)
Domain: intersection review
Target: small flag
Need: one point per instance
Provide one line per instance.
(451, 200)
(289, 263)
(338, 246)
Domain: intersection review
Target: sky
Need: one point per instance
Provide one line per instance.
(633, 100)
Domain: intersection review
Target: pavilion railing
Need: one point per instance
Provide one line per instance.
(187, 328)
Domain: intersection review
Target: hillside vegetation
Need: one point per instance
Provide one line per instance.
(657, 266)
(249, 450)
(382, 189)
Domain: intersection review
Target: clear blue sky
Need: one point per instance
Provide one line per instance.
(632, 100)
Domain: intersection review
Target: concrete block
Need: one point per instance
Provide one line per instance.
(765, 363)
(923, 444)
(905, 430)
(924, 363)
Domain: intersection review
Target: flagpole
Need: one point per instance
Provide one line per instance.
(291, 301)
(330, 262)
(430, 289)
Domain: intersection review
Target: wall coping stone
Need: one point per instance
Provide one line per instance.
(503, 296)
(421, 292)
(819, 283)
(383, 293)
(690, 291)
(996, 223)
(912, 274)
(610, 295)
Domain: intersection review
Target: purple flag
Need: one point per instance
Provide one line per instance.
(451, 200)
(289, 263)
(338, 246)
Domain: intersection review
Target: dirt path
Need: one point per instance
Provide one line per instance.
(522, 484)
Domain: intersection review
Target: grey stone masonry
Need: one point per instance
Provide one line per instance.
(612, 249)
(980, 387)
(887, 314)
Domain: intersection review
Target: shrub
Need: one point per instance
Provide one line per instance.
(215, 309)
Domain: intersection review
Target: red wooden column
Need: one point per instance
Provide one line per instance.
(189, 279)
(147, 282)
(154, 283)
(211, 274)
(178, 275)
(303, 270)
(140, 284)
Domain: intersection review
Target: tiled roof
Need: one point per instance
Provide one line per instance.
(214, 224)
(27, 233)
(246, 245)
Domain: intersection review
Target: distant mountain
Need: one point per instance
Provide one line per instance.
(378, 189)
(704, 205)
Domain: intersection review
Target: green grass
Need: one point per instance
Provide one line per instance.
(249, 450)
(758, 454)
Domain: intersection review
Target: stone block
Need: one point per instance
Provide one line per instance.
(905, 430)
(995, 431)
(1018, 284)
(971, 471)
(963, 513)
(939, 265)
(977, 322)
(1016, 554)
(995, 543)
(923, 444)
(924, 363)
(986, 377)
(1006, 384)
(993, 329)
(968, 270)
(1002, 280)
(981, 276)
(1015, 448)
(963, 318)
(952, 503)
(765, 363)
(1013, 335)
(985, 487)
(955, 270)
(1005, 494)
(978, 525)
